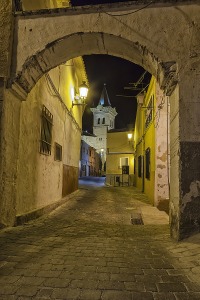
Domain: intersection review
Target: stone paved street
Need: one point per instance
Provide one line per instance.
(88, 249)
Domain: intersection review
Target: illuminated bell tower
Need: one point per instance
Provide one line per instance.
(103, 120)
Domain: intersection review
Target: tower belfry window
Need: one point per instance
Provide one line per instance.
(103, 122)
(98, 121)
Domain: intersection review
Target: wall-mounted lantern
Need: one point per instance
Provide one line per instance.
(130, 139)
(81, 97)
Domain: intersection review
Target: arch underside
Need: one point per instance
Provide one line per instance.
(80, 44)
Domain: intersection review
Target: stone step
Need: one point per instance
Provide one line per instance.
(152, 216)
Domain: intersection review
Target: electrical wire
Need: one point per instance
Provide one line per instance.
(57, 94)
(157, 115)
(130, 13)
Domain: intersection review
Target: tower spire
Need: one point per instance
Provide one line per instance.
(104, 99)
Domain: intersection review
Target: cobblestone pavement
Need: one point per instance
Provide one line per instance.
(88, 249)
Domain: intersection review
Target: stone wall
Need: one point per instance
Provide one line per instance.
(6, 27)
(32, 180)
(41, 177)
(6, 179)
(162, 150)
(9, 157)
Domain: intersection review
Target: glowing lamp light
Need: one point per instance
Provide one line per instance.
(130, 136)
(72, 94)
(83, 91)
(130, 140)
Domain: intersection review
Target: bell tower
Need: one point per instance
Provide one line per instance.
(103, 120)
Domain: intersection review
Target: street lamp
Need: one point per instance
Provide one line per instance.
(130, 139)
(83, 91)
(130, 136)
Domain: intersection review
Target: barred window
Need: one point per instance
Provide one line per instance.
(147, 159)
(46, 131)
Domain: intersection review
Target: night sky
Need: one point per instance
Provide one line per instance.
(117, 73)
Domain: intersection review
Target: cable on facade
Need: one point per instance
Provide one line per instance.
(157, 115)
(130, 13)
(57, 94)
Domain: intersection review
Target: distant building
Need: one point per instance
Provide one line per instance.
(84, 159)
(119, 163)
(103, 120)
(89, 161)
(89, 138)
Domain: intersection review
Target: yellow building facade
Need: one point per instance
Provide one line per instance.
(43, 4)
(119, 162)
(49, 141)
(151, 142)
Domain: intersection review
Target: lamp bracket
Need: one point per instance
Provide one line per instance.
(78, 104)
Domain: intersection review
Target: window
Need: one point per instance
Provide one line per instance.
(46, 131)
(149, 112)
(125, 169)
(98, 121)
(140, 166)
(103, 122)
(147, 159)
(124, 161)
(58, 152)
(83, 168)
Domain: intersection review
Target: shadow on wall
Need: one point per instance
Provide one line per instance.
(164, 206)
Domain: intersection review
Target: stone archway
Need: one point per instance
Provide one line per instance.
(163, 38)
(89, 43)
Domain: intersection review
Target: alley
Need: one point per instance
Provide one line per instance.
(89, 249)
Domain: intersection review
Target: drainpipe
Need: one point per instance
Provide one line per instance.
(140, 99)
(143, 151)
